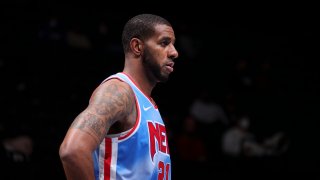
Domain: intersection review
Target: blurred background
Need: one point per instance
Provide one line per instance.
(243, 99)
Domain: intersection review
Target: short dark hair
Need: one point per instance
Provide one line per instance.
(141, 27)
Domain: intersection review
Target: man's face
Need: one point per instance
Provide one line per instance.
(159, 53)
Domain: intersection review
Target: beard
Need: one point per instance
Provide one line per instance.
(152, 68)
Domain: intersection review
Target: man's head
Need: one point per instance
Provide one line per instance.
(141, 27)
(151, 39)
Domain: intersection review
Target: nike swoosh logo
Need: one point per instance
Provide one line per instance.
(146, 108)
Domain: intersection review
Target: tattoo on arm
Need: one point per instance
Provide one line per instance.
(86, 120)
(116, 102)
(111, 103)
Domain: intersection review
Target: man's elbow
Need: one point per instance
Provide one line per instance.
(67, 153)
(73, 151)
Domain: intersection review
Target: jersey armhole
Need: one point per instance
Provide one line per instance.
(127, 133)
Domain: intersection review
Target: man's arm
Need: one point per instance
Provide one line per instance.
(112, 101)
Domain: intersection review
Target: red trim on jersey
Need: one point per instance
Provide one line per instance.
(137, 120)
(107, 159)
(150, 98)
(137, 107)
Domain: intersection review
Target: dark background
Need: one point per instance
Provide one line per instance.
(46, 80)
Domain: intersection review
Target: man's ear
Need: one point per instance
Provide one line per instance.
(136, 46)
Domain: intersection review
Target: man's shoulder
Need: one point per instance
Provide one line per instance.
(115, 84)
(111, 87)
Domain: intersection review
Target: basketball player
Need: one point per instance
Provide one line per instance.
(121, 135)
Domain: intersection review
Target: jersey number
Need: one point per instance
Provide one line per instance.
(163, 171)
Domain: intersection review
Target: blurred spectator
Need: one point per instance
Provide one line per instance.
(207, 111)
(238, 141)
(15, 155)
(211, 119)
(77, 39)
(18, 148)
(191, 153)
(189, 145)
(242, 78)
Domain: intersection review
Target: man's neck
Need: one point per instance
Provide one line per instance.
(140, 79)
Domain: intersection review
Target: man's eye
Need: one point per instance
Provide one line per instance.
(165, 43)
